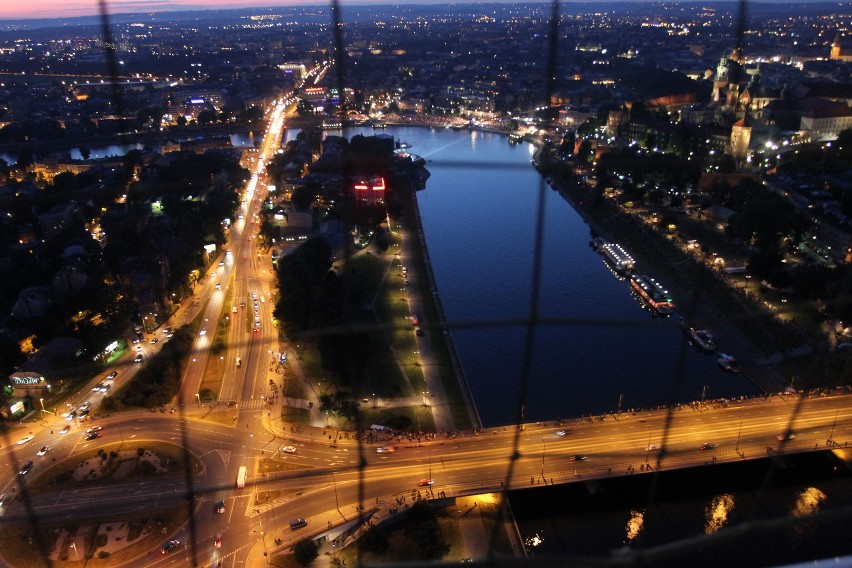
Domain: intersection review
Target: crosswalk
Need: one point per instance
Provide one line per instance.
(254, 404)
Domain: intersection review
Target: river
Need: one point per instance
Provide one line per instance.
(478, 213)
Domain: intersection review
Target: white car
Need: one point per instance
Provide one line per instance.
(288, 449)
(202, 332)
(24, 440)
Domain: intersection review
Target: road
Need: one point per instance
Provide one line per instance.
(324, 485)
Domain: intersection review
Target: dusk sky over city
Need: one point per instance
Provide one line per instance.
(65, 8)
(62, 8)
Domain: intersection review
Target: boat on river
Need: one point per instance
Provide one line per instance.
(653, 294)
(700, 337)
(728, 363)
(617, 256)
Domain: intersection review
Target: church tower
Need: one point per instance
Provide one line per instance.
(740, 140)
(835, 47)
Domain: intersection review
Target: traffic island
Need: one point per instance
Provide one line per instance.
(100, 541)
(116, 463)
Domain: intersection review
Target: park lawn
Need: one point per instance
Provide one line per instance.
(296, 415)
(416, 418)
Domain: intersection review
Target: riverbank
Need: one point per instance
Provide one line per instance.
(434, 321)
(700, 296)
(56, 146)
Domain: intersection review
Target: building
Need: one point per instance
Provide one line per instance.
(370, 190)
(819, 124)
(740, 139)
(838, 52)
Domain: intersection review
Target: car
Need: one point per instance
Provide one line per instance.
(256, 329)
(288, 449)
(43, 450)
(418, 331)
(562, 433)
(153, 341)
(781, 437)
(425, 482)
(653, 447)
(219, 508)
(97, 387)
(169, 546)
(139, 347)
(135, 340)
(24, 440)
(112, 375)
(71, 415)
(706, 446)
(83, 412)
(65, 429)
(234, 309)
(218, 286)
(138, 358)
(93, 436)
(25, 469)
(577, 457)
(94, 429)
(385, 450)
(203, 332)
(298, 523)
(217, 542)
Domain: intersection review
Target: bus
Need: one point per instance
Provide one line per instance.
(241, 477)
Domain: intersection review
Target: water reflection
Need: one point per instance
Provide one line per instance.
(808, 502)
(717, 512)
(634, 525)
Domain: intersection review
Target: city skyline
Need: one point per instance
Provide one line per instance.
(45, 9)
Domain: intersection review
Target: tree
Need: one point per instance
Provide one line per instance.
(374, 540)
(207, 117)
(305, 551)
